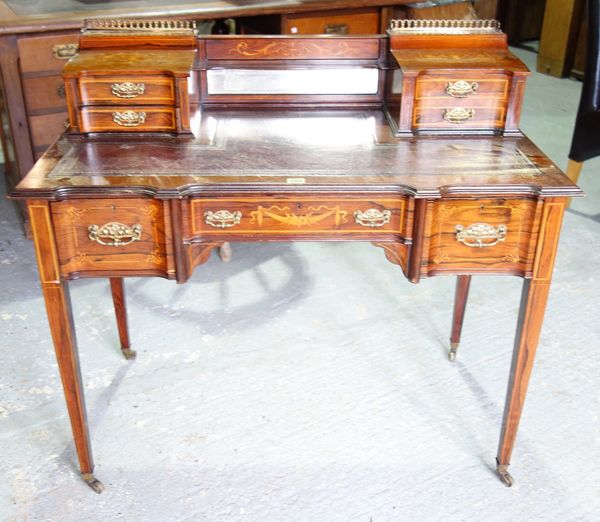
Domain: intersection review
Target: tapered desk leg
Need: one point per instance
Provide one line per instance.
(225, 252)
(118, 294)
(531, 316)
(60, 319)
(463, 282)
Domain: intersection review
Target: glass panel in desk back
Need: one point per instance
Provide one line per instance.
(293, 81)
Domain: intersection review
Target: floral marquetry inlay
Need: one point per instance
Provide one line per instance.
(155, 257)
(75, 213)
(513, 256)
(285, 216)
(287, 49)
(440, 257)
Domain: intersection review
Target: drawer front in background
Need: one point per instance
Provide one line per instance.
(127, 119)
(352, 21)
(138, 90)
(45, 93)
(126, 234)
(46, 128)
(495, 235)
(319, 217)
(46, 53)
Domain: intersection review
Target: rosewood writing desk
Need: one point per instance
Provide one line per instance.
(294, 139)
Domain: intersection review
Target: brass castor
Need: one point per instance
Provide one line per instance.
(452, 352)
(93, 482)
(128, 353)
(504, 475)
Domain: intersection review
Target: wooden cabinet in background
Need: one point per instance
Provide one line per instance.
(348, 21)
(562, 24)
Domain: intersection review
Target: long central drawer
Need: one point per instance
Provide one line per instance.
(386, 217)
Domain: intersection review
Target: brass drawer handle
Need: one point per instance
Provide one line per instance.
(336, 29)
(372, 217)
(60, 90)
(222, 218)
(129, 118)
(480, 235)
(127, 89)
(114, 234)
(458, 115)
(65, 51)
(461, 89)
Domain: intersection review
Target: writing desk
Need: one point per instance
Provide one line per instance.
(117, 206)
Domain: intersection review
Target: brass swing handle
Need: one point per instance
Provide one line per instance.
(458, 115)
(129, 118)
(114, 234)
(372, 217)
(480, 235)
(461, 89)
(127, 89)
(222, 218)
(65, 51)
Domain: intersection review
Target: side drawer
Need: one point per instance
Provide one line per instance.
(127, 119)
(463, 87)
(379, 217)
(110, 234)
(457, 118)
(491, 235)
(350, 21)
(140, 90)
(46, 53)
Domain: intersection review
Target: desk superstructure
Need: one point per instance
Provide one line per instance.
(336, 138)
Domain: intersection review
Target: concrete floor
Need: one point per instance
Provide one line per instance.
(309, 382)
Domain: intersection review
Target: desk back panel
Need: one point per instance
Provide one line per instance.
(292, 71)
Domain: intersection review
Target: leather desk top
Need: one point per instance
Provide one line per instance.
(293, 150)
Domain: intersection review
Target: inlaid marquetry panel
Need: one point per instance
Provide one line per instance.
(316, 217)
(278, 48)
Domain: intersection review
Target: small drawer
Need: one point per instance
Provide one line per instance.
(138, 90)
(110, 234)
(350, 21)
(316, 217)
(46, 128)
(467, 87)
(45, 93)
(127, 119)
(46, 53)
(491, 235)
(457, 118)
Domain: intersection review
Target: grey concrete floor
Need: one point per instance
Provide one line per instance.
(309, 382)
